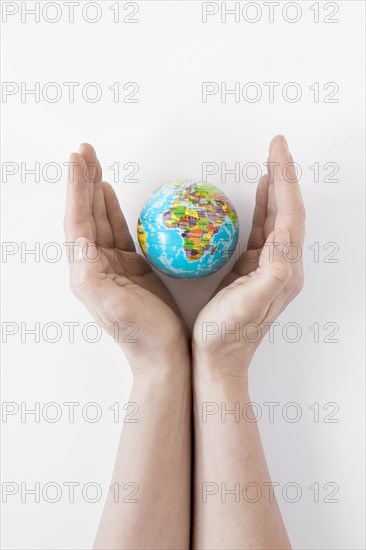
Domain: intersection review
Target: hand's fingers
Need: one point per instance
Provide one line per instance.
(86, 267)
(269, 223)
(262, 287)
(283, 298)
(274, 268)
(104, 235)
(248, 261)
(278, 305)
(283, 269)
(121, 236)
(78, 214)
(256, 237)
(290, 207)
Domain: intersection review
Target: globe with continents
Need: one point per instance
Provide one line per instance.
(188, 229)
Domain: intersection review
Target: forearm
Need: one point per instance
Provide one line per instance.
(154, 455)
(233, 503)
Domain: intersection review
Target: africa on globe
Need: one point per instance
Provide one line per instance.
(188, 229)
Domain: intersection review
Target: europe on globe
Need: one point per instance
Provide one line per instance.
(188, 229)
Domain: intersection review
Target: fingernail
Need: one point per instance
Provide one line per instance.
(281, 236)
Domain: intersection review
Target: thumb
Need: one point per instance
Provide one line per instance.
(274, 266)
(260, 288)
(86, 266)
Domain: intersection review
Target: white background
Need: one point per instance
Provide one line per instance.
(169, 133)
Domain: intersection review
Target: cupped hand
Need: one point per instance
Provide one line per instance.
(264, 279)
(116, 284)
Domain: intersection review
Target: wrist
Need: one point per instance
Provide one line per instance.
(160, 363)
(220, 363)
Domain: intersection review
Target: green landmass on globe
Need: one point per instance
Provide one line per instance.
(201, 220)
(205, 221)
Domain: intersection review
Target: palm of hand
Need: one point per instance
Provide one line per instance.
(116, 284)
(268, 275)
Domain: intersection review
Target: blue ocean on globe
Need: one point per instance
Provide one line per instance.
(188, 229)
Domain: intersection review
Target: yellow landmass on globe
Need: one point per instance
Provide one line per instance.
(142, 236)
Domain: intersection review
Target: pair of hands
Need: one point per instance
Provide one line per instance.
(124, 295)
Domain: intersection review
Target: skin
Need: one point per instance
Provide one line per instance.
(269, 274)
(256, 291)
(120, 288)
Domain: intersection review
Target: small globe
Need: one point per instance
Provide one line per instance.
(188, 229)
